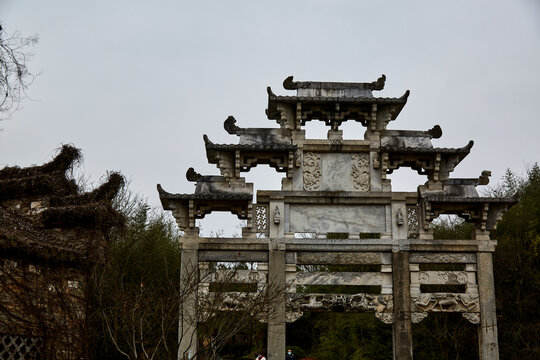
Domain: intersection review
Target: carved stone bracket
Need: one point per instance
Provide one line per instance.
(473, 318)
(387, 318)
(416, 317)
(292, 316)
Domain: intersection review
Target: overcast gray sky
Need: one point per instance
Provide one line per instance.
(135, 84)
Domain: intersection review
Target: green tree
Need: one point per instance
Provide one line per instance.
(517, 269)
(137, 292)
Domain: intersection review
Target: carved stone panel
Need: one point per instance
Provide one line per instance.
(343, 258)
(339, 302)
(445, 302)
(337, 218)
(312, 172)
(341, 278)
(261, 218)
(457, 258)
(443, 277)
(360, 171)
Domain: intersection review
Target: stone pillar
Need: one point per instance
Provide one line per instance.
(277, 319)
(487, 331)
(401, 282)
(402, 330)
(187, 325)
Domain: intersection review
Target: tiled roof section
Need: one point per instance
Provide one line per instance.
(346, 100)
(245, 147)
(289, 84)
(463, 150)
(208, 196)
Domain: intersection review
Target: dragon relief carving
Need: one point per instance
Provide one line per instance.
(340, 302)
(446, 302)
(312, 172)
(360, 171)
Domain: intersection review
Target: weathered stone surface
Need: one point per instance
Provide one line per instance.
(421, 258)
(337, 218)
(344, 258)
(342, 278)
(226, 255)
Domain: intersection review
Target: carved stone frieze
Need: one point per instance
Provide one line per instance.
(445, 302)
(312, 172)
(360, 171)
(339, 302)
(473, 318)
(443, 258)
(443, 277)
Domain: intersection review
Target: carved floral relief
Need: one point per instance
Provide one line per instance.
(360, 171)
(312, 173)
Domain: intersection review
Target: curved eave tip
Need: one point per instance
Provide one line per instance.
(192, 175)
(406, 95)
(289, 84)
(469, 145)
(269, 91)
(207, 140)
(160, 190)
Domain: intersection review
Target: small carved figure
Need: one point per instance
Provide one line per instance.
(399, 217)
(276, 216)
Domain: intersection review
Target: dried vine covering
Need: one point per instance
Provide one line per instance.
(51, 234)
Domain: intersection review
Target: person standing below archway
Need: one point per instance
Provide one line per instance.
(290, 355)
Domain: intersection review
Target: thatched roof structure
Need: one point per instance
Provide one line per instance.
(44, 216)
